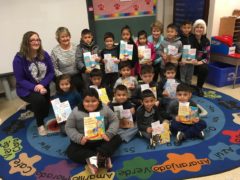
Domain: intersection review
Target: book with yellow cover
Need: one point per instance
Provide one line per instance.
(187, 114)
(103, 95)
(94, 127)
(161, 132)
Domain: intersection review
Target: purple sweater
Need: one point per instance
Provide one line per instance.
(30, 73)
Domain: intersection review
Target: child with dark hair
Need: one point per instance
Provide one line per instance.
(96, 78)
(185, 131)
(121, 99)
(142, 43)
(147, 113)
(110, 55)
(186, 37)
(147, 75)
(87, 44)
(66, 92)
(126, 79)
(82, 149)
(171, 46)
(126, 36)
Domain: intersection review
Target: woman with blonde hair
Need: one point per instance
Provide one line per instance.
(33, 70)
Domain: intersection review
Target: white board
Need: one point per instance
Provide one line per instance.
(42, 16)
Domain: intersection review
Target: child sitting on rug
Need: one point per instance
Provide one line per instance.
(127, 128)
(147, 113)
(66, 92)
(84, 150)
(185, 129)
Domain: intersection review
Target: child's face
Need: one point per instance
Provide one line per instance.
(65, 85)
(87, 38)
(96, 80)
(90, 103)
(125, 72)
(183, 96)
(148, 103)
(170, 74)
(109, 43)
(147, 77)
(156, 32)
(142, 40)
(171, 33)
(199, 30)
(186, 29)
(126, 35)
(121, 96)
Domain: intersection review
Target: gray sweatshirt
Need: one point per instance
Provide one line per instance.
(75, 128)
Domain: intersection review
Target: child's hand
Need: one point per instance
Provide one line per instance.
(132, 110)
(140, 56)
(177, 118)
(149, 130)
(83, 140)
(165, 93)
(117, 61)
(87, 71)
(97, 59)
(105, 137)
(196, 120)
(157, 103)
(164, 56)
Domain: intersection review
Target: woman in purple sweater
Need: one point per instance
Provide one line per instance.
(34, 71)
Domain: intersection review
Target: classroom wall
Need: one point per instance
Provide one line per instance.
(218, 9)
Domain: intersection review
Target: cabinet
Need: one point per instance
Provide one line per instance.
(230, 26)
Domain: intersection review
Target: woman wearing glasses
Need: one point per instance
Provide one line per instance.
(34, 71)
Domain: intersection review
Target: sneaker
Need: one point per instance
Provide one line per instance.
(101, 160)
(42, 131)
(109, 163)
(201, 135)
(92, 168)
(179, 138)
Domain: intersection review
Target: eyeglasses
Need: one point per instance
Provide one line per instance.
(34, 40)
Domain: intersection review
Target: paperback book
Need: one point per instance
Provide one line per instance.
(102, 94)
(125, 117)
(146, 86)
(161, 132)
(145, 52)
(126, 50)
(188, 54)
(89, 61)
(110, 65)
(187, 114)
(170, 87)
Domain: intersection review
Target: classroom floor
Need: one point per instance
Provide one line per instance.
(7, 108)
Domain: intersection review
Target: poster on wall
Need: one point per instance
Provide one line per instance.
(113, 9)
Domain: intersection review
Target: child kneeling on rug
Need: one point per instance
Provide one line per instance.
(84, 146)
(185, 121)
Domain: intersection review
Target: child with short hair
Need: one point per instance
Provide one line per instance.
(185, 131)
(147, 113)
(147, 74)
(126, 79)
(142, 41)
(87, 44)
(126, 36)
(82, 149)
(121, 99)
(186, 37)
(66, 92)
(156, 38)
(110, 49)
(171, 43)
(96, 78)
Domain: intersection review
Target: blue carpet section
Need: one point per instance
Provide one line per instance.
(25, 155)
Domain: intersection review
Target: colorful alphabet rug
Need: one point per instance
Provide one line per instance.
(26, 155)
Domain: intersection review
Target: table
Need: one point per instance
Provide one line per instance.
(228, 59)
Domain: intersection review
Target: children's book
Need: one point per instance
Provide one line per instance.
(128, 82)
(146, 86)
(145, 52)
(110, 65)
(125, 117)
(186, 113)
(171, 86)
(172, 50)
(89, 61)
(188, 54)
(94, 127)
(61, 110)
(161, 132)
(102, 94)
(126, 50)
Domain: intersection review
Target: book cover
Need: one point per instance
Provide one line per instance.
(89, 61)
(125, 117)
(145, 52)
(187, 114)
(110, 65)
(61, 110)
(188, 54)
(129, 51)
(128, 82)
(94, 127)
(126, 50)
(170, 87)
(161, 132)
(146, 86)
(103, 95)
